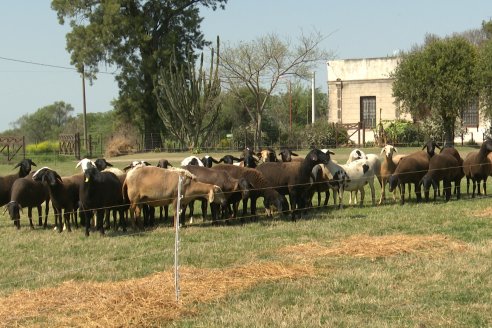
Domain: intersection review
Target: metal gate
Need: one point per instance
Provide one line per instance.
(11, 146)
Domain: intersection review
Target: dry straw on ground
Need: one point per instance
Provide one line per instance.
(150, 301)
(377, 246)
(141, 302)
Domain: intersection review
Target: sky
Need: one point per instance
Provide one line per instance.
(29, 31)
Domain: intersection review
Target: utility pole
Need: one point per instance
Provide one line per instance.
(313, 105)
(84, 111)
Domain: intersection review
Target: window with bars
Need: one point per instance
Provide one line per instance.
(368, 111)
(470, 115)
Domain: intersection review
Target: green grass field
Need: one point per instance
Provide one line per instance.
(416, 265)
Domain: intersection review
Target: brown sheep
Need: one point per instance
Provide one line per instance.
(64, 194)
(7, 181)
(259, 187)
(476, 167)
(412, 169)
(28, 193)
(231, 186)
(159, 187)
(446, 167)
(294, 178)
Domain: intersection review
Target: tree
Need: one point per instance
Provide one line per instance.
(258, 66)
(189, 101)
(136, 36)
(484, 72)
(46, 123)
(437, 81)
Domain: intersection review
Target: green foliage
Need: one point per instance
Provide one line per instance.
(437, 81)
(46, 123)
(188, 99)
(403, 132)
(323, 134)
(45, 147)
(138, 37)
(484, 77)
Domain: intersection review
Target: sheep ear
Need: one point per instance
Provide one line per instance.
(32, 163)
(126, 168)
(147, 164)
(78, 164)
(5, 208)
(293, 154)
(211, 195)
(395, 149)
(382, 151)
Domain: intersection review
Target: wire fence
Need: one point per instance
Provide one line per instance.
(167, 249)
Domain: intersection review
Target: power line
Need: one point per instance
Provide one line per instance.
(44, 65)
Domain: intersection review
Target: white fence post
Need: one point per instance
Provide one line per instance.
(177, 215)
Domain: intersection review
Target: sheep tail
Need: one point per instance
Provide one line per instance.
(124, 191)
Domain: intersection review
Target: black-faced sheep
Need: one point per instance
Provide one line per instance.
(286, 155)
(208, 161)
(259, 186)
(477, 167)
(64, 194)
(446, 167)
(99, 192)
(293, 178)
(7, 181)
(411, 169)
(231, 187)
(229, 159)
(28, 193)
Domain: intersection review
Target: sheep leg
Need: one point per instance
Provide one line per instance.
(46, 212)
(457, 189)
(204, 208)
(402, 193)
(100, 220)
(485, 186)
(66, 216)
(373, 192)
(362, 195)
(327, 197)
(29, 215)
(447, 189)
(40, 216)
(418, 192)
(473, 188)
(383, 188)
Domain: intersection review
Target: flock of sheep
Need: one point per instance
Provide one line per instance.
(135, 191)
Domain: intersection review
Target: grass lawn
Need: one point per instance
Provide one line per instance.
(416, 265)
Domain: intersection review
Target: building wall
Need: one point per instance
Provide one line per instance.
(351, 79)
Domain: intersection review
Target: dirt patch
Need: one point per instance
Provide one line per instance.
(376, 246)
(483, 213)
(143, 302)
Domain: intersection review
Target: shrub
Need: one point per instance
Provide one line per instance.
(324, 134)
(45, 147)
(403, 132)
(120, 145)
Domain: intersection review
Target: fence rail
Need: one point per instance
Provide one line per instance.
(11, 146)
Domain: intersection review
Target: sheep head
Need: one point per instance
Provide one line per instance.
(431, 147)
(14, 209)
(85, 164)
(215, 195)
(25, 167)
(388, 150)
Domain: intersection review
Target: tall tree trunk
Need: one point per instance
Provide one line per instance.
(449, 132)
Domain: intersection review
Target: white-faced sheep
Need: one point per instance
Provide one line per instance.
(373, 162)
(293, 178)
(477, 167)
(28, 193)
(159, 187)
(411, 169)
(7, 181)
(64, 194)
(191, 160)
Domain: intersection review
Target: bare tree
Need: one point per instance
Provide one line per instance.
(258, 65)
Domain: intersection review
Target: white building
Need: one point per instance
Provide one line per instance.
(360, 90)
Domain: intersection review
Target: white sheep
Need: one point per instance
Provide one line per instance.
(373, 162)
(352, 177)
